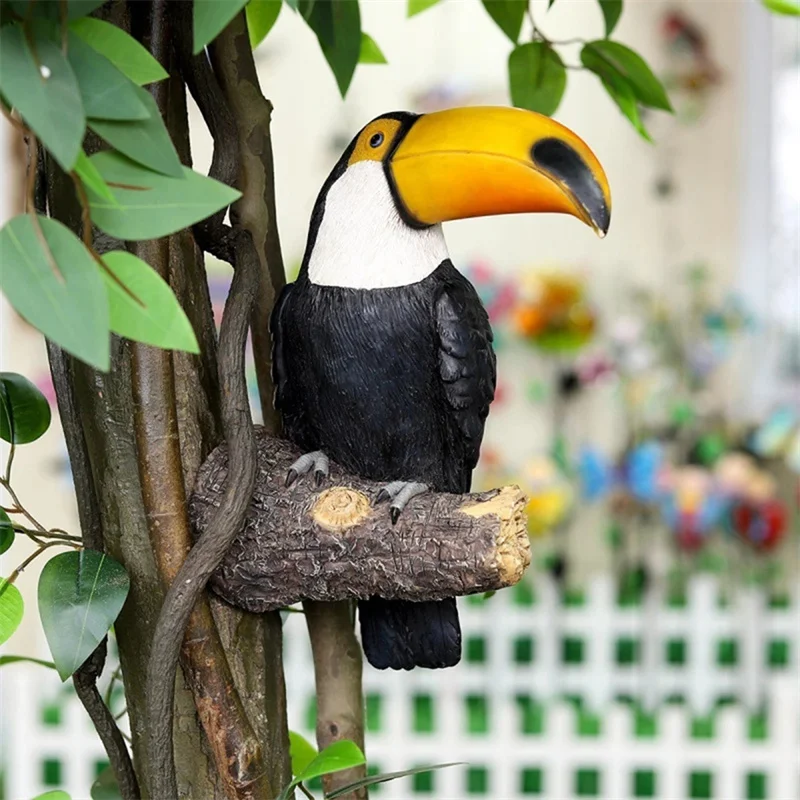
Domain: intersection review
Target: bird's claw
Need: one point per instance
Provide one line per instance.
(317, 461)
(399, 492)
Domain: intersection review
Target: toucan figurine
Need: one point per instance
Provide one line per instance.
(383, 355)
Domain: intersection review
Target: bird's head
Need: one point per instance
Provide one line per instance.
(405, 173)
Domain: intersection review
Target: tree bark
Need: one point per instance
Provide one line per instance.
(108, 472)
(338, 666)
(333, 543)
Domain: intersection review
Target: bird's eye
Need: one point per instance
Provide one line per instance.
(376, 140)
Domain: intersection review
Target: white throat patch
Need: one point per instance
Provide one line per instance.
(362, 243)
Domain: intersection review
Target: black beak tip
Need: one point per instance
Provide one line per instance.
(567, 166)
(601, 219)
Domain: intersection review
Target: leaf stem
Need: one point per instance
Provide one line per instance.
(115, 676)
(36, 535)
(305, 791)
(20, 509)
(11, 453)
(35, 554)
(538, 34)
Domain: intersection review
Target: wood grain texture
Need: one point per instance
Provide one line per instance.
(333, 543)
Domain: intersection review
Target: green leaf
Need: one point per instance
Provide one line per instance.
(92, 179)
(606, 58)
(301, 751)
(385, 778)
(105, 91)
(508, 14)
(149, 205)
(26, 414)
(621, 92)
(788, 7)
(121, 49)
(80, 595)
(338, 28)
(370, 52)
(612, 10)
(59, 289)
(537, 77)
(81, 8)
(11, 609)
(43, 88)
(418, 6)
(6, 535)
(144, 140)
(106, 786)
(292, 4)
(334, 758)
(50, 9)
(210, 17)
(148, 311)
(261, 17)
(25, 659)
(54, 794)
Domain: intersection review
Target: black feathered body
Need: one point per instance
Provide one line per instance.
(393, 383)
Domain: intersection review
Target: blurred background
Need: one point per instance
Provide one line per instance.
(648, 403)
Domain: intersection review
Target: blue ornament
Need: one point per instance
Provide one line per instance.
(642, 471)
(596, 473)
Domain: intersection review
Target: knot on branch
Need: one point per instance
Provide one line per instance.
(340, 508)
(300, 543)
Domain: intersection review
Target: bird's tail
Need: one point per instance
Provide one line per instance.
(400, 634)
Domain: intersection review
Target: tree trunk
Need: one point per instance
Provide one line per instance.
(105, 460)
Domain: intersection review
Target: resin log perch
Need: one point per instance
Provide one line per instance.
(333, 542)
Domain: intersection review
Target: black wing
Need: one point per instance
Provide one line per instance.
(280, 376)
(287, 400)
(467, 369)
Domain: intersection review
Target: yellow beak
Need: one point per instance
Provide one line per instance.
(476, 162)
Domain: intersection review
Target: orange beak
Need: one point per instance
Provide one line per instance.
(477, 162)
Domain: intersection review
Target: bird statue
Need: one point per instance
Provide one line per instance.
(382, 350)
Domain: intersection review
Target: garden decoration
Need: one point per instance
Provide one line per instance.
(691, 507)
(553, 313)
(549, 492)
(692, 73)
(383, 357)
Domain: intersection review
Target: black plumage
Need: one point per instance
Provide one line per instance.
(393, 384)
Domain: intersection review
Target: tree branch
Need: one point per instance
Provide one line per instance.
(235, 69)
(85, 682)
(85, 679)
(184, 623)
(337, 675)
(244, 769)
(211, 234)
(337, 544)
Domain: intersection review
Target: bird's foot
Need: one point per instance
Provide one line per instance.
(399, 492)
(316, 460)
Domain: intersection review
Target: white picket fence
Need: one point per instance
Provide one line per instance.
(500, 711)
